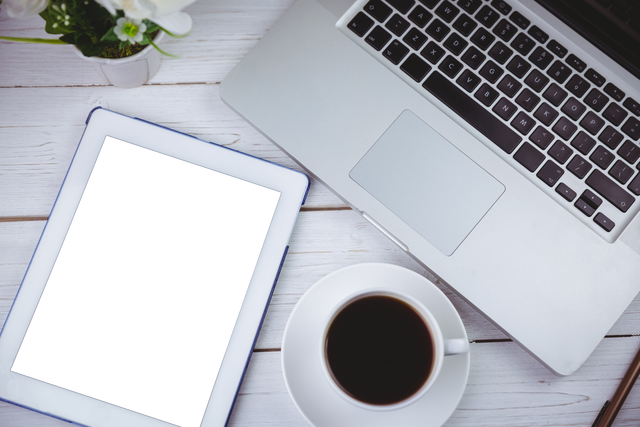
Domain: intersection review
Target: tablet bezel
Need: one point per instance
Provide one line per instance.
(71, 406)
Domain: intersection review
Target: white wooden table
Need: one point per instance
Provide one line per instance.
(46, 93)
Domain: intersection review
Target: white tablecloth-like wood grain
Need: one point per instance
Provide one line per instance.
(46, 93)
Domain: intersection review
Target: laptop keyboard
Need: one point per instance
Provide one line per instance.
(561, 123)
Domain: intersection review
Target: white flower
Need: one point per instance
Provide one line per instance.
(131, 30)
(25, 8)
(165, 13)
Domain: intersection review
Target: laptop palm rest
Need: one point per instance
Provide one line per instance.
(427, 182)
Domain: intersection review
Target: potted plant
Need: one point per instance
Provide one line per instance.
(120, 36)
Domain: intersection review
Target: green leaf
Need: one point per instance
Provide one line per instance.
(145, 40)
(49, 21)
(32, 40)
(151, 26)
(162, 51)
(110, 36)
(123, 45)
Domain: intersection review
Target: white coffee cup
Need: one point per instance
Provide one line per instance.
(402, 333)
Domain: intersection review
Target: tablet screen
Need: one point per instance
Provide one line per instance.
(144, 294)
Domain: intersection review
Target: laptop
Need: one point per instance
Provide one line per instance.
(495, 142)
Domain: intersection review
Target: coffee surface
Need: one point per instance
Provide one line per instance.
(379, 350)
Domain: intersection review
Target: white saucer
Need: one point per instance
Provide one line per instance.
(301, 350)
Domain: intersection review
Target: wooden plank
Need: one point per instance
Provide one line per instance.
(223, 32)
(322, 242)
(36, 146)
(505, 388)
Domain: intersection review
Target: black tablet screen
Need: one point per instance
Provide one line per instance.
(143, 297)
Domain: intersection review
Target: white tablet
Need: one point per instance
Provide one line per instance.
(147, 289)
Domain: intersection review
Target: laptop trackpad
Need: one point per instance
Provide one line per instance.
(427, 182)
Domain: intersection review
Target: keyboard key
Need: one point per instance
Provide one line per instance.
(567, 193)
(614, 92)
(415, 38)
(431, 3)
(584, 207)
(397, 25)
(415, 67)
(583, 143)
(592, 123)
(550, 173)
(378, 38)
(596, 100)
(523, 43)
(519, 20)
(621, 172)
(604, 222)
(491, 71)
(450, 66)
(541, 137)
(610, 137)
(573, 108)
(505, 109)
(565, 128)
(555, 94)
(523, 123)
(557, 48)
(500, 52)
(468, 80)
(473, 57)
(518, 66)
(438, 30)
(576, 63)
(447, 11)
(432, 52)
(630, 152)
(527, 100)
(608, 189)
(486, 94)
(632, 128)
(395, 52)
(602, 157)
(536, 80)
(631, 105)
(615, 114)
(541, 57)
(579, 166)
(470, 6)
(455, 43)
(360, 24)
(420, 16)
(509, 85)
(559, 72)
(475, 114)
(634, 186)
(546, 114)
(561, 152)
(501, 6)
(505, 30)
(594, 77)
(378, 10)
(538, 34)
(402, 5)
(465, 24)
(529, 157)
(589, 197)
(577, 85)
(487, 16)
(482, 38)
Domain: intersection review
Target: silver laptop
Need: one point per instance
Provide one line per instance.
(488, 139)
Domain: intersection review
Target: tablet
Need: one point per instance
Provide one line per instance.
(146, 292)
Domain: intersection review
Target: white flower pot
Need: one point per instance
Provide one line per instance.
(132, 71)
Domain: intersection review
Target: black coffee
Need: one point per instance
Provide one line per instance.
(379, 350)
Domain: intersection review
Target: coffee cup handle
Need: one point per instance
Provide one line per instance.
(456, 346)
